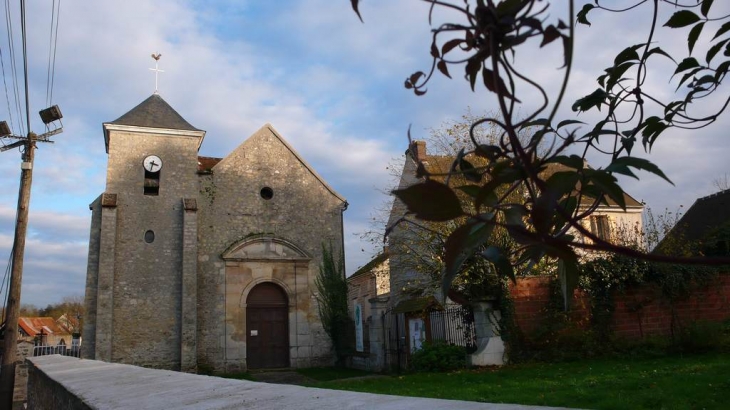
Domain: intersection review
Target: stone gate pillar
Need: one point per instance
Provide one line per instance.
(378, 305)
(490, 347)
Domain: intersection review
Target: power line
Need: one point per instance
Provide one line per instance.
(13, 65)
(25, 63)
(52, 47)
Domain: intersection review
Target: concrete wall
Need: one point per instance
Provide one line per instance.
(63, 383)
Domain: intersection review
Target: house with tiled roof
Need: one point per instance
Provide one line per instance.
(205, 261)
(44, 331)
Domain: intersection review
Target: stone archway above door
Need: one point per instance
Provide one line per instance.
(257, 247)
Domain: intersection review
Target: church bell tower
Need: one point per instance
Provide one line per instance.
(141, 281)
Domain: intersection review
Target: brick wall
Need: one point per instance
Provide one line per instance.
(641, 311)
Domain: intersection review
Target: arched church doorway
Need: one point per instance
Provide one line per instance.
(267, 327)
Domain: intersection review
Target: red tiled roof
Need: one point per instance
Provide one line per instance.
(33, 326)
(207, 163)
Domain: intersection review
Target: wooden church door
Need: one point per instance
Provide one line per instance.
(267, 327)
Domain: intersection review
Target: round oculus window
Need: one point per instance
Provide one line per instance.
(267, 193)
(149, 236)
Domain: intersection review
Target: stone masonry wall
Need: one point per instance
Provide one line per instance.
(302, 211)
(147, 276)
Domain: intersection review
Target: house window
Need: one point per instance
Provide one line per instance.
(600, 227)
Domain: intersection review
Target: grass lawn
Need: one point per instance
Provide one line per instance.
(689, 382)
(324, 374)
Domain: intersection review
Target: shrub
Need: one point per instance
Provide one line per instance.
(438, 357)
(702, 336)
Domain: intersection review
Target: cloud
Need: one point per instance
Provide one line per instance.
(331, 85)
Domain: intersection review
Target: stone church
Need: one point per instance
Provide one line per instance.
(206, 263)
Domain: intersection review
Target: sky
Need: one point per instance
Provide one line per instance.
(331, 85)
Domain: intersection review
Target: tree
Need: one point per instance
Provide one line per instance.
(332, 303)
(722, 183)
(420, 244)
(483, 40)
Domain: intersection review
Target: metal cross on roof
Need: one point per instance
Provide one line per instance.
(156, 57)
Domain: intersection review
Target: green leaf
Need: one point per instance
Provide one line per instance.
(687, 76)
(450, 45)
(562, 183)
(583, 13)
(628, 143)
(538, 122)
(510, 7)
(721, 70)
(462, 244)
(657, 50)
(472, 69)
(441, 65)
(651, 128)
(486, 195)
(468, 170)
(622, 165)
(607, 183)
(549, 35)
(628, 54)
(705, 7)
(694, 34)
(682, 18)
(573, 161)
(431, 201)
(355, 4)
(714, 49)
(568, 122)
(616, 72)
(686, 64)
(501, 263)
(722, 30)
(471, 190)
(499, 87)
(594, 99)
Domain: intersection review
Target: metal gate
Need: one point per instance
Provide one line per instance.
(454, 325)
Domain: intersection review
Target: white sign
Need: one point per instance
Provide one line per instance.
(358, 329)
(254, 333)
(417, 332)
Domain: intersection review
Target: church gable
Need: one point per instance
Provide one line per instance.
(266, 154)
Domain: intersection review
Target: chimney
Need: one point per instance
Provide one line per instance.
(418, 150)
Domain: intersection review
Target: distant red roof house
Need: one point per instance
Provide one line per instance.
(45, 328)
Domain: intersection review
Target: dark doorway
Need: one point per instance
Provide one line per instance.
(267, 327)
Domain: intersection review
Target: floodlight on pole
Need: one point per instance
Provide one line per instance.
(4, 129)
(50, 114)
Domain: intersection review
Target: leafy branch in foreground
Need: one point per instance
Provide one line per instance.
(483, 41)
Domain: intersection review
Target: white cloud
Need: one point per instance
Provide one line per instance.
(331, 85)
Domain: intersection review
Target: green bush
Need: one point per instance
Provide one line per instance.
(438, 357)
(702, 336)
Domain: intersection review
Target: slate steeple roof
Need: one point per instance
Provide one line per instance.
(154, 112)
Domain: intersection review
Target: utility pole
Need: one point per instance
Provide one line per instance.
(12, 309)
(12, 313)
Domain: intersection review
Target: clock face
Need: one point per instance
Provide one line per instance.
(152, 163)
